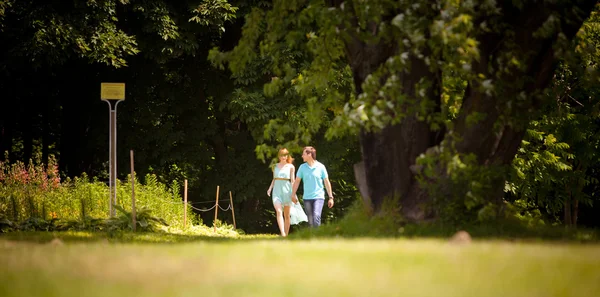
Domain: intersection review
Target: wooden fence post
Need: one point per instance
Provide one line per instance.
(185, 204)
(232, 211)
(216, 210)
(133, 212)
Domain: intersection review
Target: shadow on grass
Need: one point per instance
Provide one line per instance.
(357, 224)
(124, 237)
(500, 231)
(372, 228)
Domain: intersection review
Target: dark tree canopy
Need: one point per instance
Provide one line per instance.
(434, 156)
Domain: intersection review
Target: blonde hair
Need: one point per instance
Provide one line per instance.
(283, 152)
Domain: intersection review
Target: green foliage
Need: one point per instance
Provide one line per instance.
(54, 33)
(35, 195)
(214, 13)
(302, 46)
(183, 118)
(144, 220)
(164, 201)
(303, 51)
(388, 224)
(528, 214)
(288, 82)
(84, 224)
(37, 224)
(270, 67)
(6, 224)
(357, 222)
(554, 167)
(459, 172)
(117, 226)
(286, 48)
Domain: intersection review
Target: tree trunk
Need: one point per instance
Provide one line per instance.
(387, 159)
(575, 212)
(568, 220)
(571, 210)
(385, 171)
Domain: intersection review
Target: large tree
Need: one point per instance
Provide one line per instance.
(417, 147)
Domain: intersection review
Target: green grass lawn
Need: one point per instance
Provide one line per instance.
(90, 264)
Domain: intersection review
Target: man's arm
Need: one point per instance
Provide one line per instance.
(329, 192)
(328, 187)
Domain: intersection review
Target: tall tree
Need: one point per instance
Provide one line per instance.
(398, 53)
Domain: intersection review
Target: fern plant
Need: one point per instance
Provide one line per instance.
(145, 221)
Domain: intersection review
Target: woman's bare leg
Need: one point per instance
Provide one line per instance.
(279, 215)
(286, 213)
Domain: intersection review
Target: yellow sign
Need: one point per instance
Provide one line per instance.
(115, 91)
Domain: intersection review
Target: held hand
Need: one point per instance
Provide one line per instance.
(294, 198)
(330, 203)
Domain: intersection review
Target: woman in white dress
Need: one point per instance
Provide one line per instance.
(281, 186)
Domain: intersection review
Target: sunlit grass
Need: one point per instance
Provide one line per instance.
(334, 260)
(130, 237)
(261, 265)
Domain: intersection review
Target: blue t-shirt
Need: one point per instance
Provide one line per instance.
(313, 177)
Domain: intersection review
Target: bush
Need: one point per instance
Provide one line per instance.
(143, 219)
(34, 197)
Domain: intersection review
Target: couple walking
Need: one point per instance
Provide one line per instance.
(285, 184)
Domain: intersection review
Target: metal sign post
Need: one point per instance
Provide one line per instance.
(112, 93)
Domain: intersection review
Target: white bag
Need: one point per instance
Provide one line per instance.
(297, 214)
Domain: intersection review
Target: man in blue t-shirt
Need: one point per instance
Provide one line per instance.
(314, 175)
